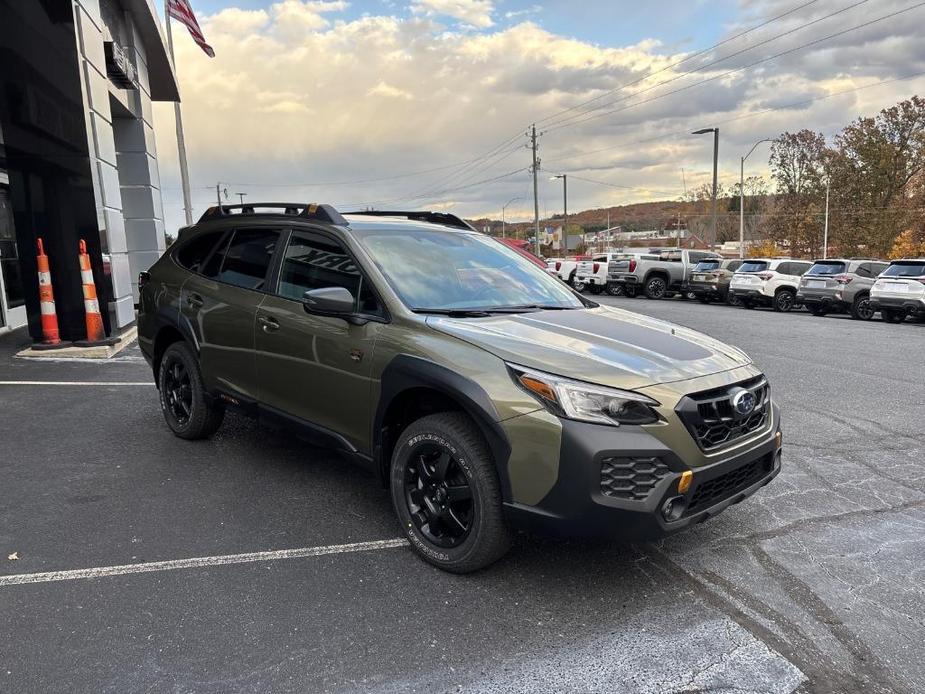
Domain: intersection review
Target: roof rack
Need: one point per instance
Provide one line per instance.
(444, 218)
(314, 211)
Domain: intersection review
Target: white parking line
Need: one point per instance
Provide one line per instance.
(76, 383)
(198, 562)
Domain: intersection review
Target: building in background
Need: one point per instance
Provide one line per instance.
(77, 154)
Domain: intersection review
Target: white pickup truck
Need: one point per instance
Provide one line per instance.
(566, 268)
(657, 275)
(591, 275)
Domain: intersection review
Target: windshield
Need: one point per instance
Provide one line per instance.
(456, 271)
(753, 266)
(826, 269)
(706, 265)
(905, 270)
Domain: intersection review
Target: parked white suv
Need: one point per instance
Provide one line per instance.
(768, 282)
(900, 290)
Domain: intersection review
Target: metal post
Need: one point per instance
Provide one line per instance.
(565, 205)
(536, 197)
(742, 211)
(715, 176)
(825, 235)
(181, 141)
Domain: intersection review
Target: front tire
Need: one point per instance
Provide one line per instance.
(188, 410)
(446, 493)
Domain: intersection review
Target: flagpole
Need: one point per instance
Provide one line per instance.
(181, 141)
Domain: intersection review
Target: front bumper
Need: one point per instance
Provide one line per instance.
(581, 504)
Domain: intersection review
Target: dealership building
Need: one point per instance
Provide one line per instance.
(77, 154)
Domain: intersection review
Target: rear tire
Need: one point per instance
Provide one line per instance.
(615, 289)
(784, 301)
(733, 300)
(861, 309)
(189, 412)
(446, 493)
(579, 286)
(656, 288)
(891, 315)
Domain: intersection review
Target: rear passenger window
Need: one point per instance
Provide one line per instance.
(784, 269)
(864, 270)
(193, 255)
(733, 265)
(245, 262)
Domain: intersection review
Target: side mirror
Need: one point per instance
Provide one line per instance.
(330, 300)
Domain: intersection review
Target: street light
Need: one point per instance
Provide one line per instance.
(503, 208)
(564, 178)
(715, 132)
(241, 195)
(742, 198)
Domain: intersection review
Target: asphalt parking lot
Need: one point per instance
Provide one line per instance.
(815, 584)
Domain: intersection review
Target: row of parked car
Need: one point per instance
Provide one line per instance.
(861, 287)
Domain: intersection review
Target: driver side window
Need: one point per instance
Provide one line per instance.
(316, 262)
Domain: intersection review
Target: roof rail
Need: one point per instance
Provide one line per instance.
(444, 218)
(314, 211)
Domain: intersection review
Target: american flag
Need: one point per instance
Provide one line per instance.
(182, 12)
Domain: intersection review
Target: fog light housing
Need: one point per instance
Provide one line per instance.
(673, 508)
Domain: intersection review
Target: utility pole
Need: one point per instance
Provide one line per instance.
(564, 178)
(825, 235)
(715, 132)
(241, 195)
(678, 232)
(181, 141)
(218, 194)
(742, 199)
(536, 195)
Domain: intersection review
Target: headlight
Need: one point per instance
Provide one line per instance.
(586, 402)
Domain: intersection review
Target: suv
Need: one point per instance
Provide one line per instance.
(659, 275)
(768, 282)
(484, 393)
(900, 291)
(840, 284)
(710, 280)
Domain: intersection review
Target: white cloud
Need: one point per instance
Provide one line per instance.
(379, 96)
(475, 12)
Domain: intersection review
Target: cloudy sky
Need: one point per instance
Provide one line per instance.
(424, 103)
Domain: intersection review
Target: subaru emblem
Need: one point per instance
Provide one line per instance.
(743, 403)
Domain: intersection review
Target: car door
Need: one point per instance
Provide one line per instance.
(219, 303)
(313, 367)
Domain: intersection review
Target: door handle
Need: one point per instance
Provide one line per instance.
(194, 300)
(268, 323)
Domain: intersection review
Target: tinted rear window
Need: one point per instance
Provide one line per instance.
(192, 255)
(247, 259)
(753, 266)
(706, 265)
(826, 269)
(905, 270)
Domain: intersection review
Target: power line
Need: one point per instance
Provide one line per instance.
(686, 130)
(742, 68)
(712, 63)
(679, 62)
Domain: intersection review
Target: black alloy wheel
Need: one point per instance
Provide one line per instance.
(438, 495)
(892, 315)
(861, 308)
(615, 289)
(784, 301)
(656, 288)
(177, 390)
(733, 300)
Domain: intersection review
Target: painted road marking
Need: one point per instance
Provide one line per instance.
(76, 383)
(199, 562)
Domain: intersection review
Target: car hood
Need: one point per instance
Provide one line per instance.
(600, 345)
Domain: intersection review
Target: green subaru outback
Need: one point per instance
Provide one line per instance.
(485, 394)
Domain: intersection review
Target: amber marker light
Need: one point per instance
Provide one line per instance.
(685, 482)
(538, 387)
(779, 438)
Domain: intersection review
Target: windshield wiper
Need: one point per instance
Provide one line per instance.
(474, 312)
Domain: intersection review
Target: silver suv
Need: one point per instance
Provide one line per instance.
(837, 285)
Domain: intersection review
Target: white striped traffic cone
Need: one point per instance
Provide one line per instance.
(96, 334)
(51, 339)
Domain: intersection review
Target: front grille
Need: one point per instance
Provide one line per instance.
(712, 420)
(729, 483)
(631, 478)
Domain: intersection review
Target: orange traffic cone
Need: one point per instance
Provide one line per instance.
(95, 332)
(51, 339)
